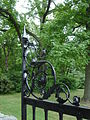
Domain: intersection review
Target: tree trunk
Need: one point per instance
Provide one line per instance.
(86, 96)
(6, 54)
(87, 83)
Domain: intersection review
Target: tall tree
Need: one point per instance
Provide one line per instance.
(71, 29)
(87, 69)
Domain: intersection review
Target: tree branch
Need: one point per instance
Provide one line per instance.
(3, 15)
(16, 25)
(46, 12)
(54, 3)
(13, 21)
(33, 35)
(3, 30)
(76, 27)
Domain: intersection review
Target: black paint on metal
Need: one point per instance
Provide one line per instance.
(60, 116)
(46, 114)
(67, 109)
(34, 108)
(23, 105)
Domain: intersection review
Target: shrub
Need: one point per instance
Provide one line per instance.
(16, 77)
(70, 81)
(6, 86)
(81, 83)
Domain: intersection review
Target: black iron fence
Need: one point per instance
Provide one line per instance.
(39, 80)
(77, 111)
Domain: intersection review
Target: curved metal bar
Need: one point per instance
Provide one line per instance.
(59, 99)
(54, 87)
(43, 62)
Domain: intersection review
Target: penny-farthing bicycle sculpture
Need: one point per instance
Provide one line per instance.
(39, 75)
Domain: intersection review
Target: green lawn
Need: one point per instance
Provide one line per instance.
(11, 105)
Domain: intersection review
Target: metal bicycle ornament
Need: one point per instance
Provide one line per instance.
(39, 77)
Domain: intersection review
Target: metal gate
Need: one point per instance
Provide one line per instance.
(39, 81)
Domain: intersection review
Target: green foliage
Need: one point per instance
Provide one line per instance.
(10, 81)
(6, 86)
(64, 37)
(70, 81)
(10, 74)
(66, 40)
(16, 77)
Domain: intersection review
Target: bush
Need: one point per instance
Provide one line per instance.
(16, 77)
(70, 81)
(6, 86)
(81, 83)
(10, 82)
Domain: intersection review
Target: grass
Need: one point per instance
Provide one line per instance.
(11, 105)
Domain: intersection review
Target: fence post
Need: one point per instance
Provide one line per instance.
(23, 104)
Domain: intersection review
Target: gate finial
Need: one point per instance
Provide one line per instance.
(24, 32)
